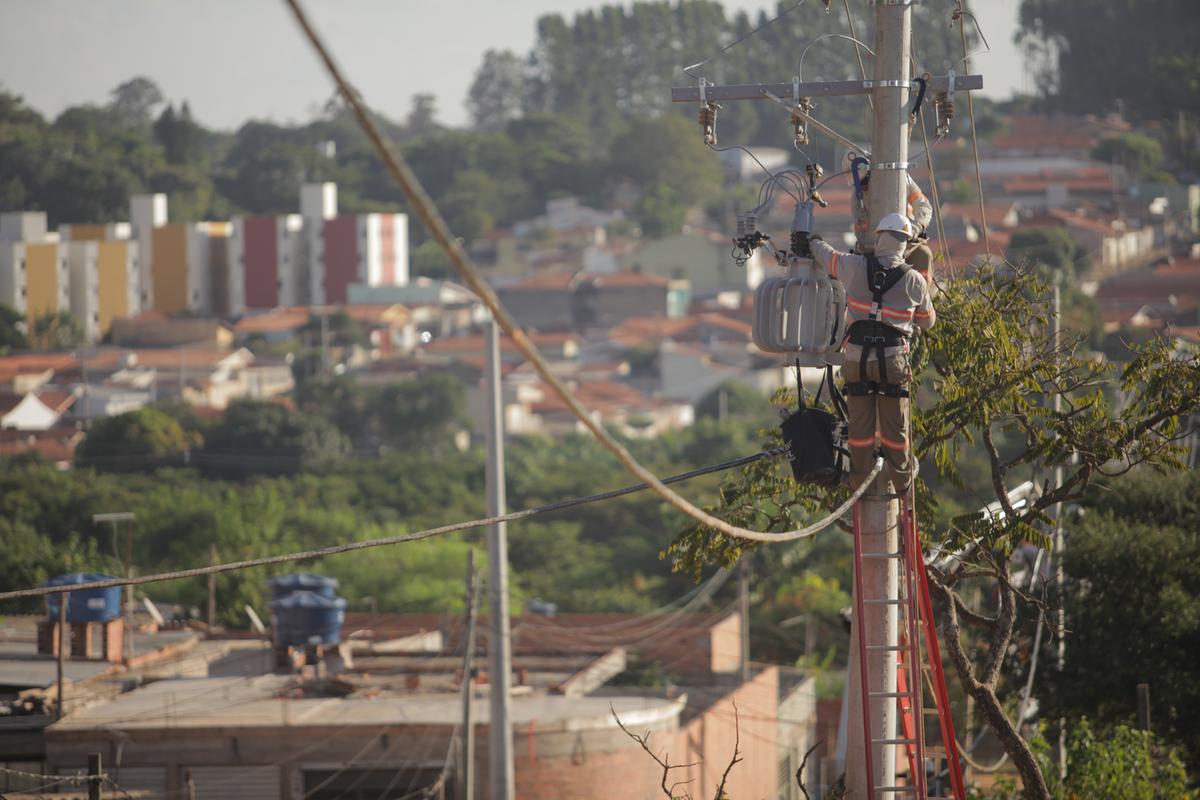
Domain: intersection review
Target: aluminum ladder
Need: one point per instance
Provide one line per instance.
(918, 673)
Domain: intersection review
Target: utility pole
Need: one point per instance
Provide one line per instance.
(744, 612)
(1060, 543)
(94, 781)
(213, 559)
(466, 789)
(113, 519)
(878, 513)
(61, 633)
(500, 761)
(879, 517)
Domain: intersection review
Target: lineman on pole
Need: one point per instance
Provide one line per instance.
(919, 213)
(886, 300)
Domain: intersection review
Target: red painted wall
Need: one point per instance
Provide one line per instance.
(341, 257)
(261, 252)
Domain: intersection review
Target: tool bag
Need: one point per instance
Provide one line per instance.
(816, 439)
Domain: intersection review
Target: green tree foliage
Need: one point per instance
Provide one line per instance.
(1133, 563)
(134, 440)
(1139, 154)
(990, 362)
(55, 331)
(739, 400)
(497, 94)
(134, 101)
(12, 330)
(1084, 48)
(266, 437)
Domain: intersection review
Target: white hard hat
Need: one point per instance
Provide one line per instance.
(897, 223)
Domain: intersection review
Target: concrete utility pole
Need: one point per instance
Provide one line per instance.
(113, 519)
(1060, 545)
(879, 517)
(61, 634)
(879, 520)
(466, 789)
(744, 612)
(500, 752)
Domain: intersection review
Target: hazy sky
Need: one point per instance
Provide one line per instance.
(239, 59)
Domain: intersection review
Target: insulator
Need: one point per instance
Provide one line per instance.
(751, 223)
(799, 123)
(741, 226)
(802, 220)
(944, 105)
(708, 122)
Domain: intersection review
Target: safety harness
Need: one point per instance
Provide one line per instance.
(874, 335)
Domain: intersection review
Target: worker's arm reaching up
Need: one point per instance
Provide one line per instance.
(925, 315)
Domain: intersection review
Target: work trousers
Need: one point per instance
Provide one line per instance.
(876, 419)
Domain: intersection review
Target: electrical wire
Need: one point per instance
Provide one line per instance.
(736, 42)
(962, 29)
(804, 52)
(389, 540)
(425, 210)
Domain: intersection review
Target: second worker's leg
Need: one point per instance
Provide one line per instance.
(893, 428)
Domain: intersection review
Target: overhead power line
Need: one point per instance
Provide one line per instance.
(425, 210)
(389, 540)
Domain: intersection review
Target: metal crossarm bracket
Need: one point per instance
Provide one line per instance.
(892, 165)
(759, 91)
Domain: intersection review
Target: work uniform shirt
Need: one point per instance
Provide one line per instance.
(906, 305)
(918, 210)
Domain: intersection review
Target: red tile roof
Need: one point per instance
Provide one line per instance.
(627, 279)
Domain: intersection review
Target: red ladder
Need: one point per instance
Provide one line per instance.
(918, 667)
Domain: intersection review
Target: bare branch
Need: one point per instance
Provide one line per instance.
(665, 763)
(997, 471)
(737, 753)
(803, 764)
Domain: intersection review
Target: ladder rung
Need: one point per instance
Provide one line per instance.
(888, 647)
(893, 741)
(897, 789)
(897, 554)
(890, 694)
(883, 601)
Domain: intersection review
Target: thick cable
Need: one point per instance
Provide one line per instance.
(512, 516)
(425, 210)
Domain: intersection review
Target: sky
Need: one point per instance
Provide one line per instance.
(235, 60)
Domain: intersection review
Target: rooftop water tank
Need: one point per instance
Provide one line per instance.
(283, 585)
(305, 617)
(89, 605)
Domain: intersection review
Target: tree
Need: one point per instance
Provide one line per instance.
(1140, 155)
(497, 94)
(421, 117)
(1133, 564)
(266, 437)
(12, 330)
(134, 440)
(740, 400)
(430, 261)
(659, 212)
(57, 330)
(1079, 43)
(183, 141)
(992, 365)
(134, 101)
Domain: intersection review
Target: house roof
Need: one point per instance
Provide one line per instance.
(174, 358)
(277, 321)
(626, 279)
(561, 280)
(31, 363)
(57, 400)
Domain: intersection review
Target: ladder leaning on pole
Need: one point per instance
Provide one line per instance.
(918, 668)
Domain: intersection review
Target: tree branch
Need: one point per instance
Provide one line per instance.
(997, 476)
(803, 764)
(737, 754)
(665, 763)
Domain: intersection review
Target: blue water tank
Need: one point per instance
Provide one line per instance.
(306, 617)
(89, 605)
(283, 585)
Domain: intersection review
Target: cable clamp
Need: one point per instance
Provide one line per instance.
(796, 89)
(704, 93)
(892, 165)
(894, 84)
(950, 76)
